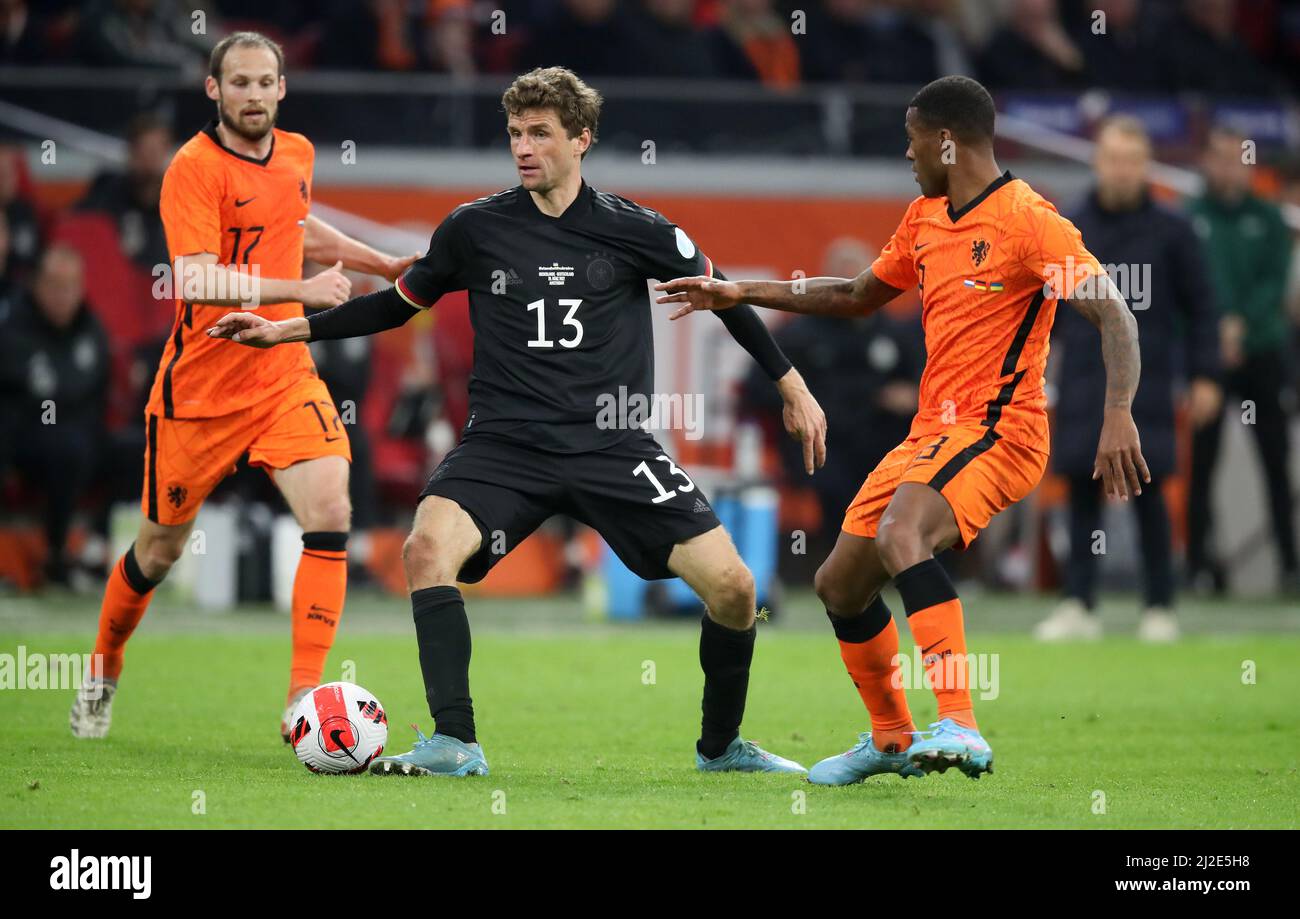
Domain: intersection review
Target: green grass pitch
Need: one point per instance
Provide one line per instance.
(593, 726)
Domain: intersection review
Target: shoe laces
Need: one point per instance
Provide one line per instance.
(863, 739)
(753, 749)
(948, 727)
(420, 739)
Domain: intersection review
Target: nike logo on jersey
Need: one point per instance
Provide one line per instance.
(921, 246)
(239, 203)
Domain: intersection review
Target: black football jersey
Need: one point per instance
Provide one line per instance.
(559, 306)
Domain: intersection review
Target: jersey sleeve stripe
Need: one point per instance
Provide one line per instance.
(708, 267)
(404, 292)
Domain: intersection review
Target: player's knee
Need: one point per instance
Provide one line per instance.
(731, 597)
(331, 513)
(418, 553)
(156, 555)
(832, 590)
(900, 544)
(427, 558)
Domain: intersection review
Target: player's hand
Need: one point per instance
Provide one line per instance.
(247, 328)
(396, 266)
(1120, 465)
(699, 293)
(804, 419)
(329, 288)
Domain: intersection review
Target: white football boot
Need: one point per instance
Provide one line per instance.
(92, 709)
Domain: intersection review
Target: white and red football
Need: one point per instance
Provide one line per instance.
(338, 728)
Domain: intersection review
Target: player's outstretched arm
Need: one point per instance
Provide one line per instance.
(811, 296)
(802, 415)
(360, 316)
(326, 244)
(1119, 462)
(250, 329)
(199, 279)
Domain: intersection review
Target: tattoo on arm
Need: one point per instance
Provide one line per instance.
(1119, 342)
(822, 296)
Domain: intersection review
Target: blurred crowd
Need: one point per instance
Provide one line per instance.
(1210, 46)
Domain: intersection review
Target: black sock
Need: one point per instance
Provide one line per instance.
(725, 655)
(134, 576)
(865, 626)
(442, 631)
(924, 585)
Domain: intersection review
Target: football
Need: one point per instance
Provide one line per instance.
(338, 728)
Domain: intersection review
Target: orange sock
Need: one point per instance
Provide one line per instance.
(868, 647)
(935, 617)
(126, 597)
(318, 591)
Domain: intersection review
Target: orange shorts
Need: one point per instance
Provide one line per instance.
(977, 471)
(185, 458)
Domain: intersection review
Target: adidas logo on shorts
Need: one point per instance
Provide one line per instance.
(700, 507)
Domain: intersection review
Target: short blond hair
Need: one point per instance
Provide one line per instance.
(1126, 125)
(575, 103)
(243, 40)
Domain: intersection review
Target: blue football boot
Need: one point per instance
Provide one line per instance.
(950, 744)
(747, 756)
(862, 761)
(436, 755)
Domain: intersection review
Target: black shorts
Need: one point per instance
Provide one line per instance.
(632, 494)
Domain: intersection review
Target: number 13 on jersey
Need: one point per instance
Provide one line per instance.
(541, 341)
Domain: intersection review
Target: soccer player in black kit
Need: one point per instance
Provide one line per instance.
(556, 273)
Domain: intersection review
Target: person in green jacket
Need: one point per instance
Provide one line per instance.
(1248, 248)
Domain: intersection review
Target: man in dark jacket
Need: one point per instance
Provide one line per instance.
(1154, 256)
(1248, 250)
(54, 366)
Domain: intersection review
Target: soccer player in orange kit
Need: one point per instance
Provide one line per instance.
(991, 258)
(235, 206)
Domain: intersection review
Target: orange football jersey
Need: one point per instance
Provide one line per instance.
(990, 276)
(247, 212)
